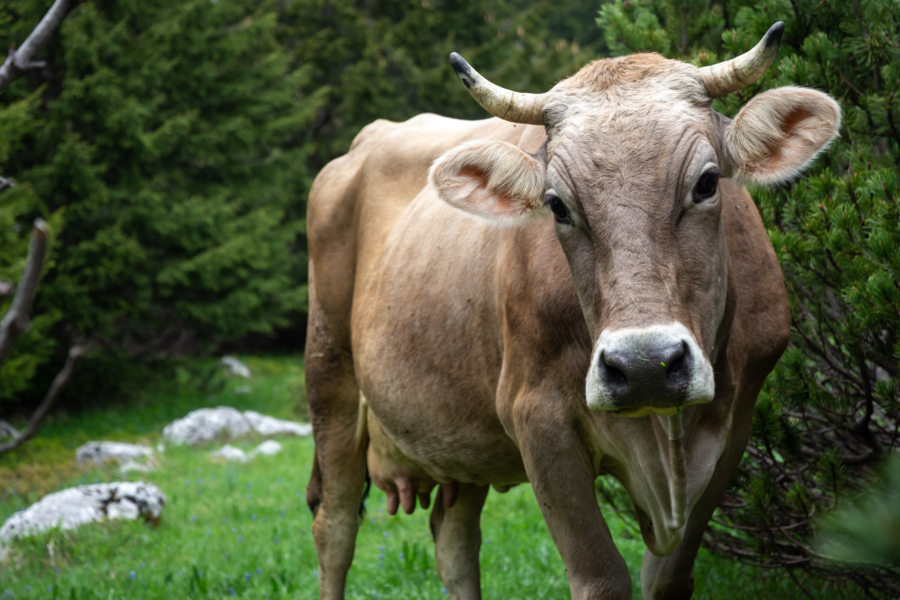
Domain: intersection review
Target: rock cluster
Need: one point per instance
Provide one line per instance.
(131, 500)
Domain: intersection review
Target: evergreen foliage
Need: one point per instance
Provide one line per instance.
(828, 416)
(162, 138)
(171, 144)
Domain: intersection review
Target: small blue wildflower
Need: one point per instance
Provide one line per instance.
(444, 591)
(258, 571)
(400, 555)
(231, 591)
(240, 538)
(142, 564)
(246, 576)
(276, 540)
(132, 574)
(315, 572)
(193, 518)
(252, 517)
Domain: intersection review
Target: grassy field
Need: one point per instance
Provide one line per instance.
(243, 530)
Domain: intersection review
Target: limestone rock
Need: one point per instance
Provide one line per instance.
(76, 506)
(236, 367)
(208, 424)
(106, 452)
(230, 453)
(268, 447)
(268, 426)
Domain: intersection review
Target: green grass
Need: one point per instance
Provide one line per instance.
(243, 530)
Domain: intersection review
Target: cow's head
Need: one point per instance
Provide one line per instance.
(630, 173)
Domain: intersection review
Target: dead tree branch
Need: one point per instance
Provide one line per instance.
(22, 58)
(15, 323)
(49, 398)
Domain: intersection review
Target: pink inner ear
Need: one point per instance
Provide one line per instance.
(800, 127)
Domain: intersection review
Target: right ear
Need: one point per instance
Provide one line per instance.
(490, 179)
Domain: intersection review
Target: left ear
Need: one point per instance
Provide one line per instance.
(779, 132)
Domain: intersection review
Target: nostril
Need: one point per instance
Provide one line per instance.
(676, 365)
(612, 374)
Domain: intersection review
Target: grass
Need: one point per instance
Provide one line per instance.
(243, 530)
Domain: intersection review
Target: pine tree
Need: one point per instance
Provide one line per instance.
(163, 135)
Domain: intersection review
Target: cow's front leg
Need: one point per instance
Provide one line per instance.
(456, 527)
(561, 474)
(339, 470)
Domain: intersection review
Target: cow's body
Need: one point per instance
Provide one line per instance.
(446, 350)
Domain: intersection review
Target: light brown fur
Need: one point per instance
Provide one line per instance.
(470, 342)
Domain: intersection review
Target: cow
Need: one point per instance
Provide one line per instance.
(579, 286)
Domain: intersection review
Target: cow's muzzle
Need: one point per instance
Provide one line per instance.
(659, 369)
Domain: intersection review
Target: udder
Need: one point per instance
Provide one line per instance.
(400, 478)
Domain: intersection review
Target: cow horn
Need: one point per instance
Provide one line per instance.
(517, 107)
(737, 73)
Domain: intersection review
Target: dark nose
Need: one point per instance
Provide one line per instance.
(647, 377)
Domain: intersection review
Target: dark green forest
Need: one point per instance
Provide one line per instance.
(170, 146)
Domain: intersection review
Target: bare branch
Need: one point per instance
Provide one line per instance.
(15, 323)
(58, 383)
(22, 58)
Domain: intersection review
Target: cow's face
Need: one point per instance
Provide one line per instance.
(630, 175)
(632, 169)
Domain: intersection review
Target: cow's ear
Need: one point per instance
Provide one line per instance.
(779, 132)
(491, 179)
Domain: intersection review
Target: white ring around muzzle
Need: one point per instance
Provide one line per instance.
(645, 344)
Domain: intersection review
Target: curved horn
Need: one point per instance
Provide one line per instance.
(517, 107)
(737, 73)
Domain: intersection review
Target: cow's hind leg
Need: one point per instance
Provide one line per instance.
(456, 527)
(339, 472)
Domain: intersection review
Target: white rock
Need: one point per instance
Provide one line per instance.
(207, 424)
(268, 426)
(236, 366)
(133, 466)
(230, 453)
(72, 507)
(268, 447)
(103, 452)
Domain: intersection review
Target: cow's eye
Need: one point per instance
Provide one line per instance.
(706, 186)
(558, 208)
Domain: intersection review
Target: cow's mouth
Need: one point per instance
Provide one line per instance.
(642, 411)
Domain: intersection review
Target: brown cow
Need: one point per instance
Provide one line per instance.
(612, 308)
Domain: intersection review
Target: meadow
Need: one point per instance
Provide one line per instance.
(243, 529)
